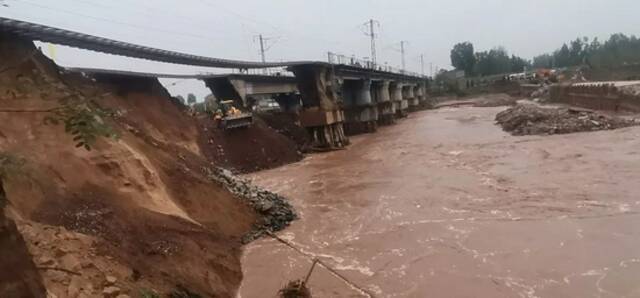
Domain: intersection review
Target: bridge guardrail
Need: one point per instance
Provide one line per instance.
(273, 71)
(339, 59)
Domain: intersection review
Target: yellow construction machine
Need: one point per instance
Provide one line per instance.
(229, 117)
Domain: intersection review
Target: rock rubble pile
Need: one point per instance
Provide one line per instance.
(529, 119)
(275, 209)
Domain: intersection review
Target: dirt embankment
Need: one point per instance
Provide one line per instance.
(144, 213)
(288, 125)
(246, 150)
(531, 119)
(488, 100)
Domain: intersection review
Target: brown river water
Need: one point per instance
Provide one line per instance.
(445, 204)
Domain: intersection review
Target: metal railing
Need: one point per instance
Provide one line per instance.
(272, 71)
(99, 44)
(339, 59)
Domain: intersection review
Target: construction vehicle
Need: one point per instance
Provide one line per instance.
(230, 117)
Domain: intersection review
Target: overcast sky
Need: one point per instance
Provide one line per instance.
(307, 30)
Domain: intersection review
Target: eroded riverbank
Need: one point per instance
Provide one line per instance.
(445, 204)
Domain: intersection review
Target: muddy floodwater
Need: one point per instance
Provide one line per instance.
(445, 204)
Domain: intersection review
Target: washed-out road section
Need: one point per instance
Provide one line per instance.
(445, 204)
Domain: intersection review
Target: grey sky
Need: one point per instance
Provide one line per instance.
(306, 30)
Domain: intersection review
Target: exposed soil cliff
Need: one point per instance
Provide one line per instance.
(140, 213)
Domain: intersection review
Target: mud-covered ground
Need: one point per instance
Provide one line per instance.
(446, 204)
(533, 119)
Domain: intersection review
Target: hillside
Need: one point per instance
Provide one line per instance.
(140, 213)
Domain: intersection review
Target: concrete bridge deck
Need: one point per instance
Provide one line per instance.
(329, 98)
(332, 101)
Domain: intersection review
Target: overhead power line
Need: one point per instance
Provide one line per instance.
(371, 32)
(142, 27)
(264, 47)
(152, 12)
(99, 44)
(261, 23)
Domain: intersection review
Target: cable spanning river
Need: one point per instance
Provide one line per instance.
(445, 204)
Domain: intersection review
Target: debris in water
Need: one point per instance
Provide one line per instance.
(529, 119)
(295, 289)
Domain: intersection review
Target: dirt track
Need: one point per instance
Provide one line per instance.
(445, 204)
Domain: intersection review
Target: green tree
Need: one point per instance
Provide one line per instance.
(497, 61)
(563, 56)
(618, 50)
(83, 119)
(543, 61)
(518, 64)
(463, 57)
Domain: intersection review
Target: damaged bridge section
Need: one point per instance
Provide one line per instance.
(321, 114)
(330, 101)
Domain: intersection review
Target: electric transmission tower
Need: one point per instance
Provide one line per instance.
(264, 47)
(403, 52)
(371, 32)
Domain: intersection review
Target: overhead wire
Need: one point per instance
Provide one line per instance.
(262, 22)
(145, 10)
(141, 27)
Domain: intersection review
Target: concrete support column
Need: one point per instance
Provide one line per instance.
(422, 95)
(386, 109)
(321, 114)
(363, 94)
(361, 114)
(411, 97)
(395, 92)
(383, 90)
(400, 102)
(419, 91)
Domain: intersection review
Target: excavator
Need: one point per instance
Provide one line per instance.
(229, 117)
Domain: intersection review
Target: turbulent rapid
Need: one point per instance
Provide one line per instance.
(446, 204)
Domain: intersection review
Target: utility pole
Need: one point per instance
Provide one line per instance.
(262, 48)
(372, 34)
(422, 63)
(431, 68)
(402, 51)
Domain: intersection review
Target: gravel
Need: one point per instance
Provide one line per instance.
(529, 119)
(275, 209)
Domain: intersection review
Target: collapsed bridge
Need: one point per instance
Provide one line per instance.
(332, 100)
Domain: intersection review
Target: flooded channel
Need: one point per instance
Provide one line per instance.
(445, 204)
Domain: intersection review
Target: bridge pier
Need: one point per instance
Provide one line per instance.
(403, 111)
(400, 105)
(410, 95)
(420, 95)
(361, 113)
(321, 115)
(381, 97)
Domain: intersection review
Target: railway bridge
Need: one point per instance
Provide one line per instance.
(332, 99)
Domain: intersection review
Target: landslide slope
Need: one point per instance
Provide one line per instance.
(136, 214)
